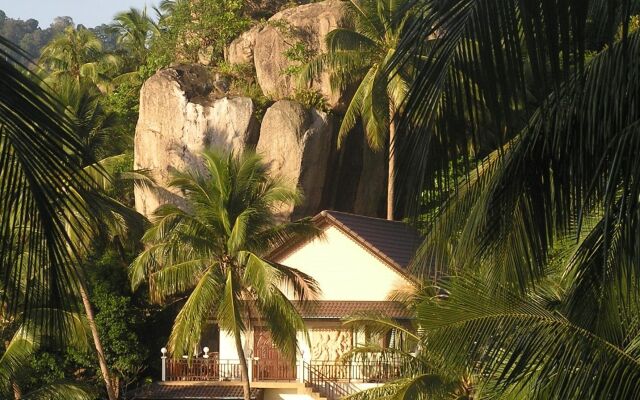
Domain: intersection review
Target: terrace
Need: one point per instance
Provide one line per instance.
(330, 379)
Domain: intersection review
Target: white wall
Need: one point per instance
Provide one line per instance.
(344, 269)
(228, 345)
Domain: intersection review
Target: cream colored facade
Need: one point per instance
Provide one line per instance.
(345, 269)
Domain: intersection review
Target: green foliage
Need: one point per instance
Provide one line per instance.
(118, 323)
(44, 155)
(47, 368)
(212, 254)
(107, 36)
(540, 241)
(77, 54)
(91, 122)
(29, 369)
(124, 103)
(28, 35)
(362, 56)
(298, 54)
(205, 27)
(311, 98)
(244, 83)
(135, 31)
(36, 141)
(299, 51)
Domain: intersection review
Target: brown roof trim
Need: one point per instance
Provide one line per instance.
(340, 309)
(323, 219)
(195, 391)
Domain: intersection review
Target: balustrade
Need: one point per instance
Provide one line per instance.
(215, 369)
(203, 369)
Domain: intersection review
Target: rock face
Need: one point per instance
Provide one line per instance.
(372, 183)
(240, 50)
(181, 114)
(180, 117)
(358, 182)
(296, 142)
(265, 46)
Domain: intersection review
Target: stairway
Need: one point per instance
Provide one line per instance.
(325, 388)
(315, 395)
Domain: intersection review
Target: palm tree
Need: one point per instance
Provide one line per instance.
(91, 123)
(135, 29)
(41, 185)
(77, 53)
(47, 198)
(25, 342)
(214, 251)
(422, 373)
(16, 359)
(541, 238)
(362, 56)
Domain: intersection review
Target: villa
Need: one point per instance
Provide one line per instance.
(359, 262)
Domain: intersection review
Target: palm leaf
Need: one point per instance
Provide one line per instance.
(43, 184)
(511, 337)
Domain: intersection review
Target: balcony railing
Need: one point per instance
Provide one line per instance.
(203, 369)
(215, 369)
(357, 371)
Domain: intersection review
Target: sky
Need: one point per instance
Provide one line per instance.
(86, 12)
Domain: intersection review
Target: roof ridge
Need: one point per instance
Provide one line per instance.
(325, 212)
(367, 243)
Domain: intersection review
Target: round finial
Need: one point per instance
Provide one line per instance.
(206, 350)
(163, 351)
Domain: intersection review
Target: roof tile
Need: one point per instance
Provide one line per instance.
(163, 391)
(343, 309)
(396, 240)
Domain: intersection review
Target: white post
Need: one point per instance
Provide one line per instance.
(164, 363)
(300, 366)
(250, 368)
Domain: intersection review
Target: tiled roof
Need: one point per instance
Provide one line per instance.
(161, 391)
(395, 241)
(344, 309)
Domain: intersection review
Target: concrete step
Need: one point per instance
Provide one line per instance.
(309, 391)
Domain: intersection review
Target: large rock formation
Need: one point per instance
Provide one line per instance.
(297, 144)
(180, 116)
(265, 46)
(182, 113)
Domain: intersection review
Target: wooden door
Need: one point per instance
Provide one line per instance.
(269, 364)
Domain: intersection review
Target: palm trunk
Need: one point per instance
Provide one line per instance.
(17, 392)
(245, 368)
(391, 189)
(96, 341)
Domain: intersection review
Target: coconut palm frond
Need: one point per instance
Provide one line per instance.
(43, 185)
(380, 324)
(515, 53)
(61, 391)
(519, 341)
(187, 327)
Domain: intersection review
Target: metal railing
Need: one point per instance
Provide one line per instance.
(323, 385)
(358, 371)
(273, 370)
(203, 369)
(215, 369)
